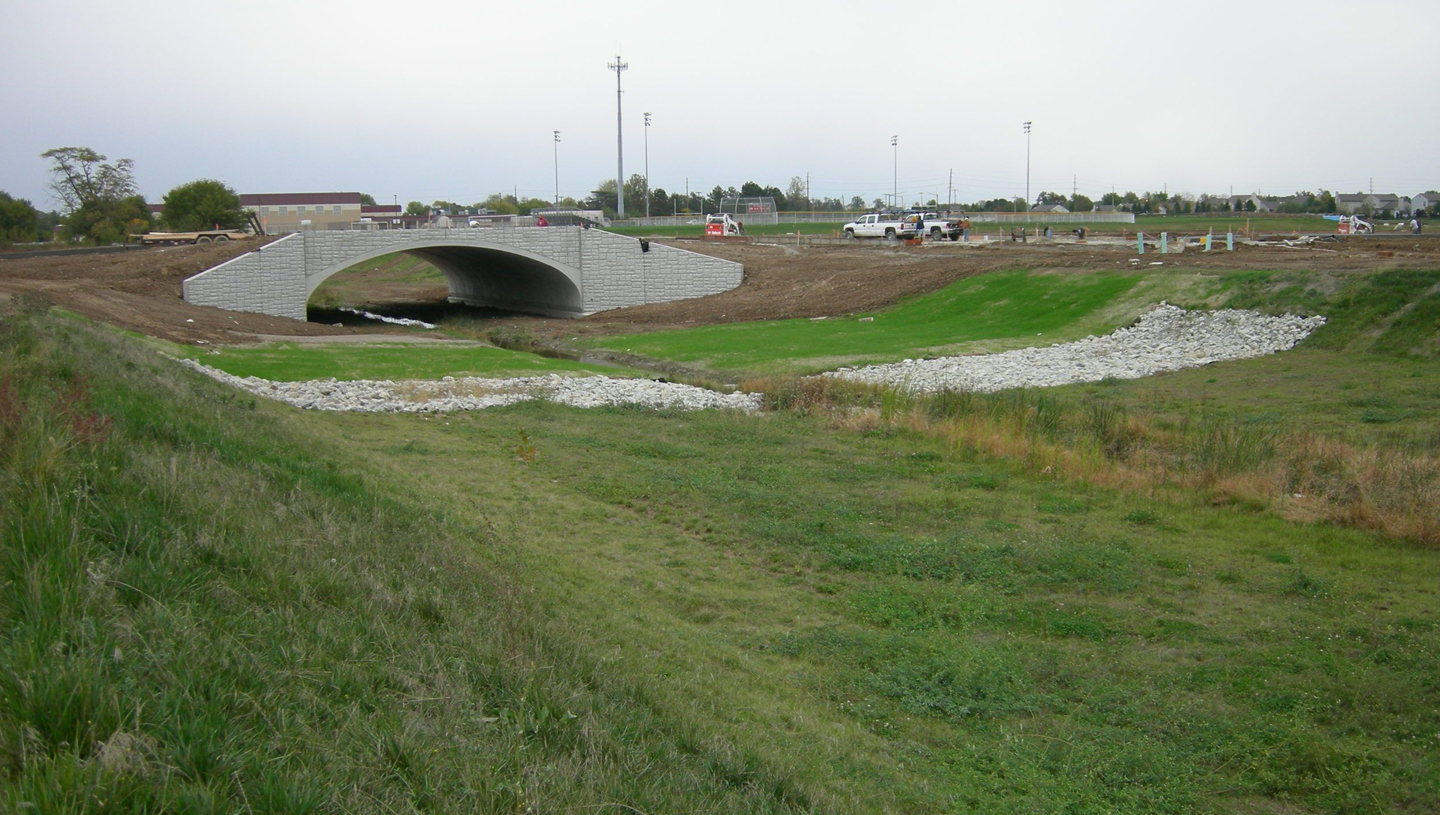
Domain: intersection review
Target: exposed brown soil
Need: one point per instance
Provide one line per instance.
(140, 290)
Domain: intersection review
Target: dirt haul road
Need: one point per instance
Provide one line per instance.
(140, 290)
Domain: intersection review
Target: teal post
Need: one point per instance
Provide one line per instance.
(1207, 243)
(1164, 243)
(1140, 241)
(1229, 241)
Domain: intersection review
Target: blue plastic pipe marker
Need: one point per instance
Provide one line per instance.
(1140, 241)
(1164, 243)
(1229, 241)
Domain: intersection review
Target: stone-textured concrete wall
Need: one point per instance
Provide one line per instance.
(270, 280)
(608, 270)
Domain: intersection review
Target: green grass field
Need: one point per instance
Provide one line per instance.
(992, 307)
(292, 362)
(219, 604)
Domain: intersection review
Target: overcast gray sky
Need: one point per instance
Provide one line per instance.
(457, 100)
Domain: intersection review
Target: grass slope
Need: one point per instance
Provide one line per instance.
(203, 611)
(222, 605)
(1014, 304)
(924, 629)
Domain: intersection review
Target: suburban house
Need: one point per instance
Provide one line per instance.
(1055, 208)
(297, 211)
(1428, 201)
(1362, 203)
(1104, 208)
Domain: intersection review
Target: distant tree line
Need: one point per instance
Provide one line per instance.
(101, 203)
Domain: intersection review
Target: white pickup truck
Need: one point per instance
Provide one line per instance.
(881, 225)
(939, 226)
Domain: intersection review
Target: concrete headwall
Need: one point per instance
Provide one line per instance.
(564, 271)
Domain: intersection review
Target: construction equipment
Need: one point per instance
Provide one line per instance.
(1354, 225)
(723, 226)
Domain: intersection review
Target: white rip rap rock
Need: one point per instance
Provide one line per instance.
(474, 393)
(1167, 338)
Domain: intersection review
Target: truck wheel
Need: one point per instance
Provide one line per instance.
(890, 234)
(935, 233)
(849, 234)
(204, 239)
(222, 238)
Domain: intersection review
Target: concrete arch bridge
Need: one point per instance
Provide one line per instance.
(559, 271)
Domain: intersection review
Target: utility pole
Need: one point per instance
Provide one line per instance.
(1027, 171)
(809, 202)
(557, 170)
(619, 67)
(647, 165)
(950, 191)
(895, 171)
(1074, 187)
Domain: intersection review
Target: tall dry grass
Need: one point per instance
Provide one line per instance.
(1300, 476)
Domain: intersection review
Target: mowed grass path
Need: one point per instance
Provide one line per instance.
(292, 362)
(1014, 304)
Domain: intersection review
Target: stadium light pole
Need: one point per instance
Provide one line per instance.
(557, 171)
(619, 67)
(647, 164)
(895, 170)
(1027, 171)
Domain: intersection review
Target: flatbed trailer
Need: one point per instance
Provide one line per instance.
(203, 236)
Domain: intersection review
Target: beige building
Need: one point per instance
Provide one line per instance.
(300, 211)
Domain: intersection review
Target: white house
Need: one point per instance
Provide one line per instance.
(1428, 201)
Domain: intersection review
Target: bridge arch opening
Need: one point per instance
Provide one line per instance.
(499, 277)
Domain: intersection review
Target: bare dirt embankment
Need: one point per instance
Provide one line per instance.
(140, 290)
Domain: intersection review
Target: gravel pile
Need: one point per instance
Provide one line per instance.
(473, 393)
(1165, 339)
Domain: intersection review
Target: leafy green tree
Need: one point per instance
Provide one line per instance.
(857, 203)
(19, 221)
(110, 221)
(79, 176)
(1050, 198)
(416, 208)
(203, 204)
(795, 196)
(603, 197)
(529, 205)
(502, 204)
(1080, 203)
(635, 196)
(1249, 204)
(99, 197)
(367, 200)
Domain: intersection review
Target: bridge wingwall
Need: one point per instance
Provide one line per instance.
(608, 270)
